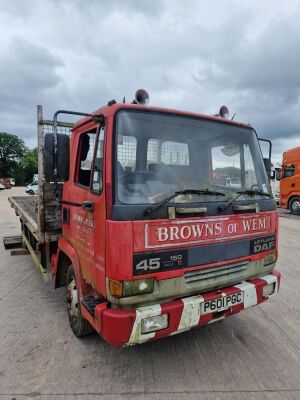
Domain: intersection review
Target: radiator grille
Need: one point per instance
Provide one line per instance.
(212, 273)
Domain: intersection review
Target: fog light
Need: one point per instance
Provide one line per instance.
(269, 289)
(153, 324)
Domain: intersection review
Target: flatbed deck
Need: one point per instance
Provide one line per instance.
(41, 215)
(26, 208)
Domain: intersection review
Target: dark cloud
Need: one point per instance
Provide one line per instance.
(26, 69)
(190, 55)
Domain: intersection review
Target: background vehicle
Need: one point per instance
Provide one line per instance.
(290, 181)
(274, 181)
(6, 183)
(12, 181)
(2, 187)
(32, 188)
(137, 222)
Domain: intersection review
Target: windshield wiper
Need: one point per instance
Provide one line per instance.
(250, 192)
(209, 192)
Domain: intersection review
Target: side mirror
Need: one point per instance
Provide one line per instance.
(277, 174)
(268, 167)
(266, 148)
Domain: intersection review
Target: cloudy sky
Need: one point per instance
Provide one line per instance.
(192, 55)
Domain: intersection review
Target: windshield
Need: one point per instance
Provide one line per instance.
(159, 154)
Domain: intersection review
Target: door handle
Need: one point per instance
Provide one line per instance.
(293, 184)
(88, 205)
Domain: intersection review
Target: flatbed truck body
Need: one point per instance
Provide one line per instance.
(137, 263)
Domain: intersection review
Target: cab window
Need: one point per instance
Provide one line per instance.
(85, 158)
(289, 171)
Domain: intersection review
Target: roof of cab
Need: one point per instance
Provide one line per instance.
(292, 155)
(109, 110)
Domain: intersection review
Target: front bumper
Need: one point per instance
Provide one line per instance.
(124, 327)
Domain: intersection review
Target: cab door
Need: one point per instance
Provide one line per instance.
(86, 203)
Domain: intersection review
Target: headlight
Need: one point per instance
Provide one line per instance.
(139, 286)
(130, 288)
(270, 258)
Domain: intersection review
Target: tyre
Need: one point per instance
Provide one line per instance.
(31, 192)
(79, 325)
(63, 155)
(294, 206)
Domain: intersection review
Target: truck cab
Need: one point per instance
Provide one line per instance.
(160, 242)
(155, 220)
(290, 181)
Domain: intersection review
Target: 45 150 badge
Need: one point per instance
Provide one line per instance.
(148, 262)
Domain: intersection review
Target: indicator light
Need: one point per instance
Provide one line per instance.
(115, 288)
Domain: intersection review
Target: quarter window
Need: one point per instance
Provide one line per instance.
(97, 182)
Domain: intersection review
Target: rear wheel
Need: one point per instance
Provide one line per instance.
(31, 192)
(295, 206)
(79, 325)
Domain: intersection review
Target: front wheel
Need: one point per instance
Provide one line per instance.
(79, 325)
(295, 206)
(31, 192)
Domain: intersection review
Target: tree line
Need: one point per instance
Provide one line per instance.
(16, 160)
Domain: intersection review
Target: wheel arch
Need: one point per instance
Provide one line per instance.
(66, 256)
(63, 263)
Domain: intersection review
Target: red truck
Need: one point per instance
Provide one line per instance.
(134, 217)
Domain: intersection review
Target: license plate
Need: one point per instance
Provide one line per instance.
(222, 303)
